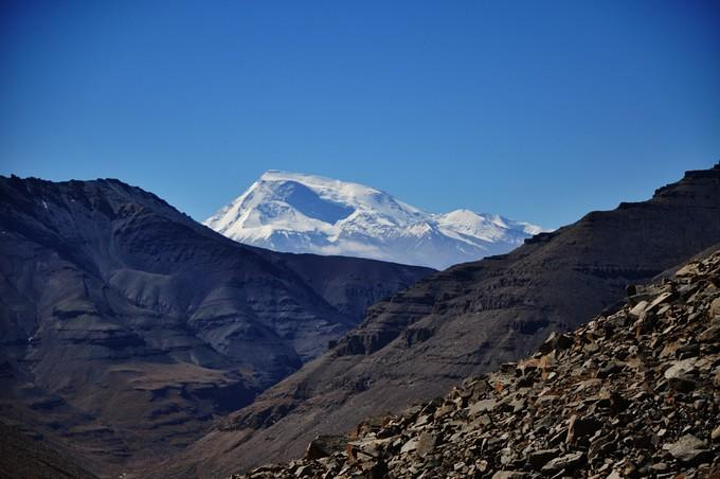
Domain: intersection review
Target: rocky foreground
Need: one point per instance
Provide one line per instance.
(634, 393)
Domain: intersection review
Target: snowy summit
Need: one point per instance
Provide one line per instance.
(301, 213)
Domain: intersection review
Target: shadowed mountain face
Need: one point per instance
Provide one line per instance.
(465, 321)
(126, 326)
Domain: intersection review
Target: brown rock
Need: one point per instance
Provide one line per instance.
(426, 443)
(324, 446)
(581, 427)
(537, 459)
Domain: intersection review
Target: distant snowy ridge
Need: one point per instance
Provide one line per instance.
(301, 213)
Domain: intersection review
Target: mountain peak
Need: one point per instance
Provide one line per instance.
(282, 175)
(304, 213)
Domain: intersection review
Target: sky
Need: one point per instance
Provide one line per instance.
(540, 111)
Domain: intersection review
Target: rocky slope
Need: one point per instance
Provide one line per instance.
(301, 213)
(23, 457)
(466, 321)
(126, 326)
(634, 393)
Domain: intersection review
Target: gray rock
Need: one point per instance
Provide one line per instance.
(639, 309)
(679, 368)
(568, 462)
(486, 405)
(426, 443)
(687, 449)
(509, 475)
(409, 446)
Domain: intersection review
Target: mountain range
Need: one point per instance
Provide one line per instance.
(138, 342)
(301, 213)
(466, 321)
(127, 327)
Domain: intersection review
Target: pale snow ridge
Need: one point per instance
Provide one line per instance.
(301, 213)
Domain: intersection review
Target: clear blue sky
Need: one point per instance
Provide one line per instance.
(539, 110)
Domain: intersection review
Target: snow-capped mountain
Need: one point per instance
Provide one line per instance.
(301, 213)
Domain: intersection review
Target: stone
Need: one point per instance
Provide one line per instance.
(679, 368)
(486, 405)
(689, 350)
(558, 342)
(564, 341)
(710, 335)
(518, 404)
(303, 471)
(409, 446)
(690, 269)
(639, 309)
(714, 308)
(581, 427)
(324, 446)
(549, 344)
(537, 459)
(423, 420)
(443, 411)
(683, 383)
(568, 462)
(602, 446)
(509, 475)
(376, 471)
(660, 300)
(687, 449)
(426, 443)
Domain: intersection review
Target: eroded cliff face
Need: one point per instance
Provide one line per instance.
(631, 394)
(466, 321)
(127, 327)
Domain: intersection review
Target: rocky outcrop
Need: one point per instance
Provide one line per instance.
(127, 327)
(634, 393)
(465, 321)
